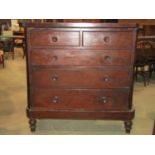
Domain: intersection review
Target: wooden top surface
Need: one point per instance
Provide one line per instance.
(81, 25)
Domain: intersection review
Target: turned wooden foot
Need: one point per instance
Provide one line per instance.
(32, 123)
(128, 126)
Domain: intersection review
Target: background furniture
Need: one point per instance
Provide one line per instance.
(153, 128)
(2, 57)
(80, 71)
(7, 45)
(144, 61)
(19, 41)
(147, 51)
(9, 42)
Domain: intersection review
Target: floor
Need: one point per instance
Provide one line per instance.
(13, 101)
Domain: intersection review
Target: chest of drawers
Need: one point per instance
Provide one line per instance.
(80, 71)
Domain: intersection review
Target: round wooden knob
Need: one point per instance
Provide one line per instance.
(54, 58)
(54, 39)
(106, 39)
(108, 58)
(106, 79)
(55, 99)
(55, 77)
(104, 99)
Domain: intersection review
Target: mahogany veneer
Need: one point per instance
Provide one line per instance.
(80, 71)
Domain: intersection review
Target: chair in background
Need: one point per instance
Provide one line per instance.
(19, 42)
(1, 56)
(151, 61)
(7, 42)
(8, 47)
(141, 68)
(142, 64)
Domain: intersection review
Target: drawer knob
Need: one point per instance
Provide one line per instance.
(108, 58)
(55, 99)
(106, 79)
(54, 58)
(55, 77)
(54, 39)
(104, 99)
(106, 39)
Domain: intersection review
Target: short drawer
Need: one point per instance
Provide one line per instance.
(82, 58)
(81, 78)
(108, 40)
(52, 38)
(80, 99)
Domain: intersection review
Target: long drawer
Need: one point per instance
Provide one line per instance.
(82, 58)
(80, 99)
(52, 38)
(81, 78)
(108, 39)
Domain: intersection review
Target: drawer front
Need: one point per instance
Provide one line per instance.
(80, 58)
(81, 78)
(108, 40)
(67, 99)
(54, 38)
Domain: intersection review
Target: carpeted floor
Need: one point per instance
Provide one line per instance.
(13, 101)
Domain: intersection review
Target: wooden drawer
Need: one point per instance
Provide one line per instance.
(82, 58)
(108, 40)
(51, 38)
(82, 78)
(80, 99)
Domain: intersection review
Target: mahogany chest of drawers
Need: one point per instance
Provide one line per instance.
(80, 71)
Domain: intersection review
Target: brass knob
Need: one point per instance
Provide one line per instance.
(106, 39)
(55, 99)
(55, 77)
(54, 39)
(104, 99)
